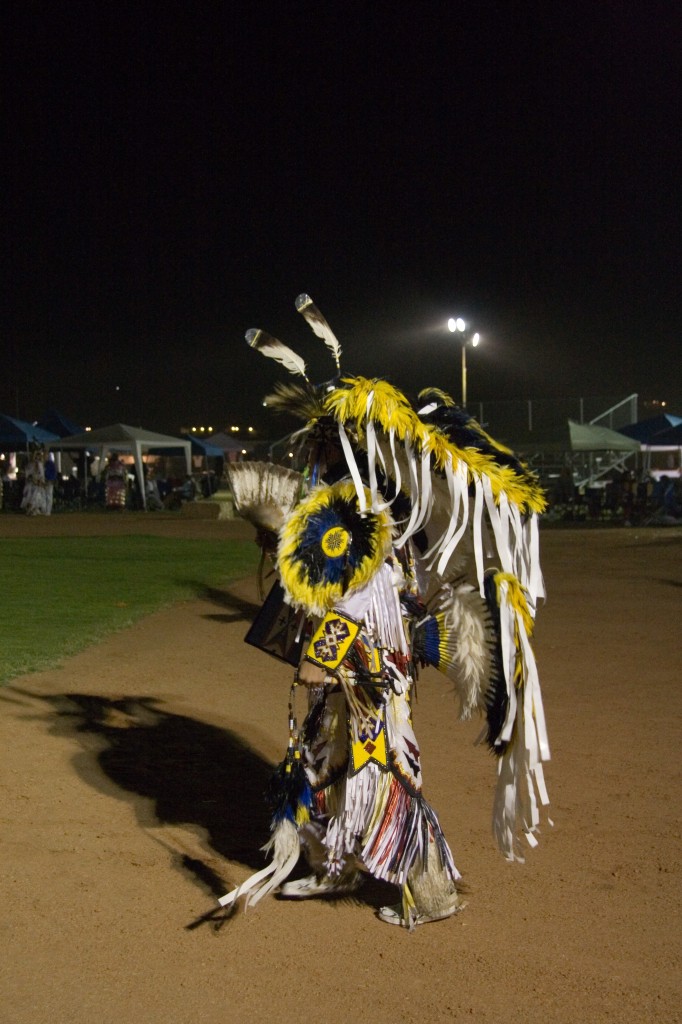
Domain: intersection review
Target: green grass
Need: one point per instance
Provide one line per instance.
(59, 595)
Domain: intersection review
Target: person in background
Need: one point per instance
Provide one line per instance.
(153, 498)
(50, 480)
(188, 491)
(33, 500)
(115, 482)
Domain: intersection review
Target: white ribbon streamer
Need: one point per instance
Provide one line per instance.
(353, 468)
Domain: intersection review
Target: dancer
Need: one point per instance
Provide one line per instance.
(381, 565)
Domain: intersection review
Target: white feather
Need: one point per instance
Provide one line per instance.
(285, 849)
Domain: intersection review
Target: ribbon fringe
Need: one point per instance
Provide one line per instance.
(516, 537)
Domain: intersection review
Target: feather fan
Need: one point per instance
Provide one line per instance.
(273, 348)
(309, 311)
(264, 493)
(458, 638)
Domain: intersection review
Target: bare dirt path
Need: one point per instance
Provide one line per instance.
(130, 795)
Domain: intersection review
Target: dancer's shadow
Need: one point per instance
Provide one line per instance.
(194, 772)
(238, 609)
(188, 772)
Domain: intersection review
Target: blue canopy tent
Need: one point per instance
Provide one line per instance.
(660, 438)
(205, 448)
(670, 437)
(58, 424)
(18, 435)
(200, 447)
(649, 431)
(207, 451)
(231, 446)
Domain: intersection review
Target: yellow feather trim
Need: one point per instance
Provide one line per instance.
(516, 597)
(443, 397)
(391, 411)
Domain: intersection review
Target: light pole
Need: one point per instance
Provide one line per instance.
(458, 326)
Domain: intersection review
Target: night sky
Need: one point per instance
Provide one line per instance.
(176, 176)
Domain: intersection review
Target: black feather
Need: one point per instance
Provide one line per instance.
(496, 697)
(300, 399)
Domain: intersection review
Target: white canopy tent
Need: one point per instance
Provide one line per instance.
(121, 438)
(591, 438)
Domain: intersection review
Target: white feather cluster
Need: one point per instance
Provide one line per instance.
(264, 493)
(465, 615)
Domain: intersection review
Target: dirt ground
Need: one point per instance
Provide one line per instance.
(131, 796)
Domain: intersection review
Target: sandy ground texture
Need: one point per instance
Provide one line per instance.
(131, 796)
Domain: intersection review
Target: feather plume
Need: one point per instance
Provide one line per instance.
(436, 394)
(299, 399)
(458, 638)
(309, 311)
(273, 348)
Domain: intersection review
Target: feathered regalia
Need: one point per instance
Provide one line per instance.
(411, 539)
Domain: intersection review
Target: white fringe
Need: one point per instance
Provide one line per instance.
(358, 800)
(378, 604)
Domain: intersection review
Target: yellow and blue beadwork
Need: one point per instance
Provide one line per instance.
(328, 548)
(332, 640)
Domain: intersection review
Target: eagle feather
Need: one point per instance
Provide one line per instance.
(273, 348)
(311, 314)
